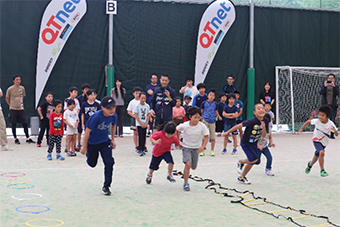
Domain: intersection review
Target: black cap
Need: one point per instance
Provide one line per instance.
(187, 97)
(108, 102)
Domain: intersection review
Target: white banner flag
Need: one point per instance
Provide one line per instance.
(215, 23)
(59, 20)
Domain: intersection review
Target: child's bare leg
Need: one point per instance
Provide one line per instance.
(186, 172)
(240, 131)
(248, 167)
(135, 138)
(79, 139)
(68, 139)
(235, 141)
(225, 142)
(74, 139)
(322, 159)
(151, 172)
(170, 168)
(314, 160)
(213, 144)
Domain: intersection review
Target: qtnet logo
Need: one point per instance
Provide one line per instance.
(57, 21)
(212, 26)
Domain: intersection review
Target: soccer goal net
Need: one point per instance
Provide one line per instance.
(297, 94)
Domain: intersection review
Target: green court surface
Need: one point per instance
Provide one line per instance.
(72, 190)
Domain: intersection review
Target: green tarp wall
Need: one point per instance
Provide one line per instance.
(159, 37)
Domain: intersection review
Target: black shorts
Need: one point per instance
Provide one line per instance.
(155, 161)
(157, 122)
(17, 116)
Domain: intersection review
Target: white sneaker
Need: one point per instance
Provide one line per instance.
(6, 148)
(269, 173)
(239, 167)
(243, 180)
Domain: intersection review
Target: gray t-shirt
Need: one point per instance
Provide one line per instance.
(118, 98)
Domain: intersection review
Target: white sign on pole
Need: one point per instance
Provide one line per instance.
(111, 7)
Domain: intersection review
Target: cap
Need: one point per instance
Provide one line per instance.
(187, 97)
(108, 102)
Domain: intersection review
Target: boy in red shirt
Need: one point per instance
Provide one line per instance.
(163, 140)
(56, 130)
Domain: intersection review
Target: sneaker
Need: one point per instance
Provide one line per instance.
(49, 157)
(16, 141)
(6, 148)
(29, 140)
(148, 135)
(240, 166)
(61, 158)
(202, 153)
(38, 145)
(224, 151)
(269, 173)
(212, 153)
(106, 190)
(77, 149)
(148, 178)
(145, 150)
(243, 180)
(141, 153)
(171, 178)
(136, 150)
(308, 168)
(234, 152)
(66, 150)
(229, 141)
(323, 173)
(219, 134)
(120, 136)
(71, 154)
(186, 187)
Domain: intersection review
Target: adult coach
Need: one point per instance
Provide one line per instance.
(329, 93)
(15, 99)
(162, 101)
(150, 88)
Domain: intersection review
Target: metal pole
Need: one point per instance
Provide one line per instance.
(110, 67)
(251, 70)
(251, 34)
(110, 39)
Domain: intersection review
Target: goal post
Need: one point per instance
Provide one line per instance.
(297, 93)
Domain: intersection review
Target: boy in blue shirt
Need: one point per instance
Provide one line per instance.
(220, 121)
(230, 114)
(96, 139)
(201, 96)
(209, 112)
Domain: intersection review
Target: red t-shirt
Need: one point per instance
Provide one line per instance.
(56, 124)
(165, 145)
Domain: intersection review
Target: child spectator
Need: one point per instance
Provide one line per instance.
(163, 140)
(81, 98)
(263, 144)
(73, 91)
(323, 129)
(209, 112)
(178, 114)
(239, 105)
(96, 139)
(142, 116)
(186, 105)
(267, 95)
(56, 130)
(72, 121)
(229, 87)
(189, 89)
(255, 128)
(132, 104)
(89, 107)
(44, 112)
(230, 114)
(194, 131)
(201, 96)
(220, 121)
(268, 108)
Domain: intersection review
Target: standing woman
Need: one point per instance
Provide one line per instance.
(267, 95)
(118, 94)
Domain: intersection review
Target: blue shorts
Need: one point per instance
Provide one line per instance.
(155, 161)
(252, 152)
(227, 127)
(318, 147)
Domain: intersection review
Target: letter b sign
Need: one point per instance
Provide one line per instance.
(111, 7)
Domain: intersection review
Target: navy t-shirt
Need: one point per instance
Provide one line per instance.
(253, 130)
(220, 107)
(152, 87)
(88, 110)
(99, 125)
(228, 110)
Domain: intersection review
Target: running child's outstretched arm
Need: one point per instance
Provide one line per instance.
(113, 129)
(204, 144)
(303, 126)
(335, 131)
(86, 139)
(236, 127)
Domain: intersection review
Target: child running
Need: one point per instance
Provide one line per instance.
(142, 115)
(56, 130)
(194, 131)
(323, 129)
(96, 139)
(163, 140)
(71, 120)
(255, 127)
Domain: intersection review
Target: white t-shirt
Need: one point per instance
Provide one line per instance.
(71, 116)
(322, 131)
(192, 92)
(132, 104)
(193, 135)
